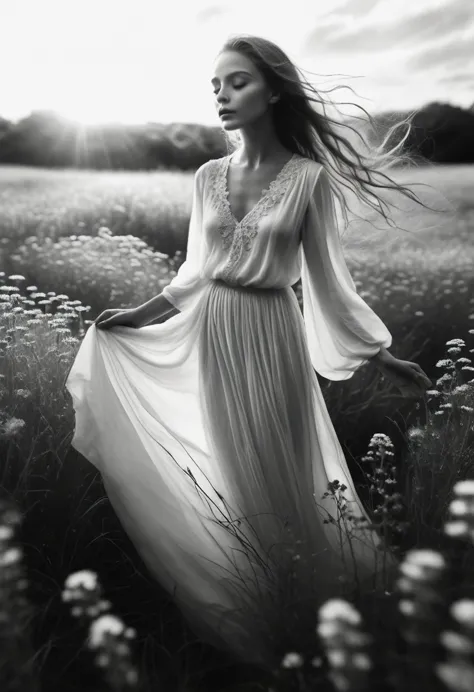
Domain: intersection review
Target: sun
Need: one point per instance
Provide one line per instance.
(96, 95)
(91, 112)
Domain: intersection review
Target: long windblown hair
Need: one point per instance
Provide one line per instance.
(309, 130)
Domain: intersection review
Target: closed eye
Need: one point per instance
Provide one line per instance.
(236, 86)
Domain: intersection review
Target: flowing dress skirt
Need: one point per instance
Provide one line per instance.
(215, 447)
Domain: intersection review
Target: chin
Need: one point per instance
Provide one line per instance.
(230, 125)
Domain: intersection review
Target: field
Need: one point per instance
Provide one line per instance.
(73, 243)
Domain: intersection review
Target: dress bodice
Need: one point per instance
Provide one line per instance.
(290, 233)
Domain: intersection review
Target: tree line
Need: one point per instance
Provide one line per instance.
(440, 133)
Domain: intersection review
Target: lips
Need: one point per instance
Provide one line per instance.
(224, 111)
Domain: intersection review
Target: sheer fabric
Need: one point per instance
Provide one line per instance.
(210, 429)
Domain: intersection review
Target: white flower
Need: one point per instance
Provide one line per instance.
(456, 643)
(337, 657)
(459, 507)
(414, 433)
(464, 487)
(412, 571)
(458, 676)
(328, 629)
(456, 528)
(292, 660)
(426, 558)
(446, 362)
(362, 661)
(463, 612)
(106, 624)
(85, 579)
(9, 557)
(6, 532)
(13, 426)
(337, 608)
(406, 607)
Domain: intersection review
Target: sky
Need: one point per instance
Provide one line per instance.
(138, 61)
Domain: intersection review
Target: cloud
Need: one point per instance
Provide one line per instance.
(451, 53)
(355, 8)
(378, 35)
(209, 13)
(462, 78)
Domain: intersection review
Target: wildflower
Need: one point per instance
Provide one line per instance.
(292, 660)
(84, 579)
(100, 628)
(459, 507)
(345, 644)
(465, 487)
(13, 427)
(23, 393)
(444, 363)
(6, 533)
(457, 676)
(406, 606)
(456, 528)
(339, 609)
(415, 433)
(456, 643)
(10, 557)
(427, 558)
(462, 389)
(463, 612)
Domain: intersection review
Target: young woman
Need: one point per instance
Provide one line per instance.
(210, 429)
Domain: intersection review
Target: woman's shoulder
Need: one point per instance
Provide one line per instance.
(312, 164)
(209, 167)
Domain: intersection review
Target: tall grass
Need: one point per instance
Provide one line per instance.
(62, 549)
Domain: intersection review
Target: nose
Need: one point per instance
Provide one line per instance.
(221, 97)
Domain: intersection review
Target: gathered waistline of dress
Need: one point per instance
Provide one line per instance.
(250, 289)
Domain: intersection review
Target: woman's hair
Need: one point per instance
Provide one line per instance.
(311, 132)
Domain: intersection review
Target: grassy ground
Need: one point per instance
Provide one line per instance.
(74, 243)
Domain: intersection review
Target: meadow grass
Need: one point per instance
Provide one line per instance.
(62, 549)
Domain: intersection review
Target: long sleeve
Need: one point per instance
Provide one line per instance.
(186, 286)
(342, 331)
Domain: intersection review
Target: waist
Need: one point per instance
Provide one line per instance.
(249, 289)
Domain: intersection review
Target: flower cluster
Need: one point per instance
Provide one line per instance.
(382, 479)
(457, 671)
(108, 635)
(16, 652)
(346, 645)
(461, 512)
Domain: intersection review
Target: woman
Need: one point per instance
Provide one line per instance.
(216, 414)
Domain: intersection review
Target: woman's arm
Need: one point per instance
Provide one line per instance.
(381, 356)
(151, 311)
(343, 332)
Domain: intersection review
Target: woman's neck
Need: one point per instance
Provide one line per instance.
(259, 147)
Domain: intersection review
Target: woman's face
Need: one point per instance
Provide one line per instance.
(239, 86)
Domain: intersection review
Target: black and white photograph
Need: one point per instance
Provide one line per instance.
(236, 346)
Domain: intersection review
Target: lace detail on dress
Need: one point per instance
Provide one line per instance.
(238, 235)
(217, 182)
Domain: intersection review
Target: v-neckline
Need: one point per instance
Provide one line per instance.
(264, 192)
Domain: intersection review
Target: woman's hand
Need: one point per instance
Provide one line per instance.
(117, 318)
(407, 376)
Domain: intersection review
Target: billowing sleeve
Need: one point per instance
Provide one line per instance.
(342, 331)
(187, 285)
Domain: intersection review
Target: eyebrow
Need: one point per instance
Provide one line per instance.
(232, 75)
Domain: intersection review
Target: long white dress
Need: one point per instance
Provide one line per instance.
(210, 429)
